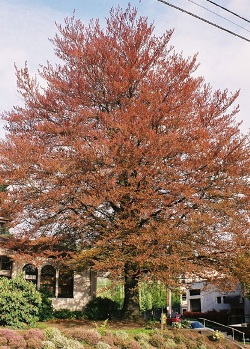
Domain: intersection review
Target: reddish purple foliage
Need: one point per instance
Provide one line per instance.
(34, 333)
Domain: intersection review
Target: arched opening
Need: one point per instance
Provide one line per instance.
(48, 280)
(5, 263)
(65, 283)
(30, 273)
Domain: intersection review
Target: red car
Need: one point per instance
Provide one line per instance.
(173, 318)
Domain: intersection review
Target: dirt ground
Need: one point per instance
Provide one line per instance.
(115, 325)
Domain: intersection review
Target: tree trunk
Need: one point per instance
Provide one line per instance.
(131, 307)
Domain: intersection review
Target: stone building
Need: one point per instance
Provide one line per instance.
(69, 290)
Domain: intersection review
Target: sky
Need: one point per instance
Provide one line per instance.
(27, 25)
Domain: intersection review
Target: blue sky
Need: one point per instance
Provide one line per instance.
(224, 59)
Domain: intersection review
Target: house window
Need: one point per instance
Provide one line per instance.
(218, 299)
(65, 283)
(195, 292)
(5, 263)
(184, 297)
(48, 280)
(30, 273)
(195, 305)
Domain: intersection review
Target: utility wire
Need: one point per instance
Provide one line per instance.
(193, 2)
(224, 8)
(204, 20)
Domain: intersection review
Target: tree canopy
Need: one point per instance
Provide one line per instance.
(127, 156)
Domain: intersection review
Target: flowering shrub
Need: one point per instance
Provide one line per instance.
(103, 345)
(90, 336)
(121, 334)
(34, 333)
(120, 339)
(176, 325)
(185, 323)
(157, 340)
(217, 336)
(34, 343)
(142, 337)
(56, 340)
(72, 344)
(133, 344)
(108, 338)
(51, 333)
(3, 341)
(48, 345)
(13, 339)
(74, 333)
(170, 343)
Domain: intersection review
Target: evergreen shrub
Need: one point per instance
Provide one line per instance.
(101, 309)
(68, 314)
(19, 302)
(45, 308)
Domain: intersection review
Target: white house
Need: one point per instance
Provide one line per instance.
(202, 297)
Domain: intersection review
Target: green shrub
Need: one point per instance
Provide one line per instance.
(101, 309)
(68, 314)
(45, 309)
(19, 302)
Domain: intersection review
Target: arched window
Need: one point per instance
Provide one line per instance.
(48, 280)
(66, 283)
(30, 273)
(5, 263)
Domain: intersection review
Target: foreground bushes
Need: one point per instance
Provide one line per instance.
(82, 338)
(10, 339)
(19, 302)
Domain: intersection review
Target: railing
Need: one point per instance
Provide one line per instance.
(231, 328)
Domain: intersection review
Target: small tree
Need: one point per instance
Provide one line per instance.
(19, 302)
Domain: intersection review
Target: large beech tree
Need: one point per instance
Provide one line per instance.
(126, 157)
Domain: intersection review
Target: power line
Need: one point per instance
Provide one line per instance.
(204, 20)
(193, 2)
(224, 8)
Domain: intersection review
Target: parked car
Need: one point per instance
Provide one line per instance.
(197, 325)
(173, 318)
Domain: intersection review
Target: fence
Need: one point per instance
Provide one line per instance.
(228, 327)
